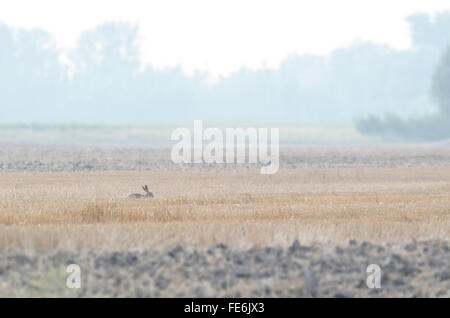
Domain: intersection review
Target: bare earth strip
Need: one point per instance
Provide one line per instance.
(322, 197)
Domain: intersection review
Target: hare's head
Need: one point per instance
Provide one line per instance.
(148, 193)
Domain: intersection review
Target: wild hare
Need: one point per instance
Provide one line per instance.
(147, 194)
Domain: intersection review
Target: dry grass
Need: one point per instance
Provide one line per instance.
(90, 210)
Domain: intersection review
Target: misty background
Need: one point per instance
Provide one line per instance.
(373, 88)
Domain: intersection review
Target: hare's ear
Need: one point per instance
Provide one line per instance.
(143, 187)
(146, 188)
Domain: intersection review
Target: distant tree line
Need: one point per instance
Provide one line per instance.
(427, 127)
(105, 81)
(441, 84)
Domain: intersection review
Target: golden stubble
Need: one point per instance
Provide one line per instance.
(49, 211)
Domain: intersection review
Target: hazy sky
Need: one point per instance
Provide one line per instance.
(222, 36)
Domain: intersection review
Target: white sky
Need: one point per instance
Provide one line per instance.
(222, 36)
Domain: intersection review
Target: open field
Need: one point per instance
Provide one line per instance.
(158, 135)
(91, 210)
(398, 199)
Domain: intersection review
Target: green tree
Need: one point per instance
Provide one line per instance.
(441, 83)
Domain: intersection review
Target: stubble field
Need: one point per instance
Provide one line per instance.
(343, 206)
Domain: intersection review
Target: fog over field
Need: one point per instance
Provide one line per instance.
(338, 111)
(104, 80)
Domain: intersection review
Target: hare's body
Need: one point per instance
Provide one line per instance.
(138, 195)
(147, 194)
